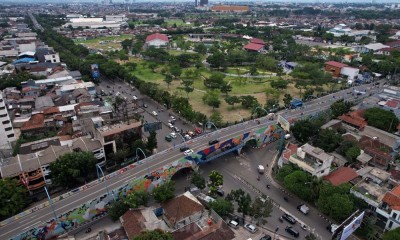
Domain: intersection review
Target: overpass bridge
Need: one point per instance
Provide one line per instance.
(89, 202)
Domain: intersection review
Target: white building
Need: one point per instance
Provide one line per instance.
(7, 134)
(313, 160)
(340, 30)
(373, 47)
(68, 89)
(350, 72)
(157, 40)
(389, 211)
(116, 18)
(91, 23)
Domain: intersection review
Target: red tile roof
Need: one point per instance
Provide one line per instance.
(257, 41)
(36, 121)
(253, 46)
(160, 36)
(394, 43)
(392, 198)
(354, 118)
(51, 110)
(389, 49)
(291, 149)
(133, 223)
(341, 175)
(393, 103)
(336, 64)
(179, 208)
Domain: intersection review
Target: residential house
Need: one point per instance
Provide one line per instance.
(354, 120)
(47, 55)
(34, 126)
(312, 160)
(43, 102)
(253, 47)
(32, 91)
(334, 67)
(370, 48)
(157, 40)
(388, 212)
(341, 175)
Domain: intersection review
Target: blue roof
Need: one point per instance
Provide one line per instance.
(24, 60)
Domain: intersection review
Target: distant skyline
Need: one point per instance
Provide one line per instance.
(217, 1)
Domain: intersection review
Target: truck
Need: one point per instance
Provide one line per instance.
(303, 209)
(260, 169)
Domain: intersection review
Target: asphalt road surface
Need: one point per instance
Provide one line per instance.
(158, 160)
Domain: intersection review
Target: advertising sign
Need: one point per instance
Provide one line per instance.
(349, 229)
(284, 123)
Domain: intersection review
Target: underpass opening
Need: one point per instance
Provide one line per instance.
(182, 179)
(252, 143)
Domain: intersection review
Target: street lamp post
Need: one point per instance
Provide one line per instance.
(100, 171)
(148, 169)
(216, 129)
(258, 107)
(51, 204)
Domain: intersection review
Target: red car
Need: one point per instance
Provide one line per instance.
(197, 130)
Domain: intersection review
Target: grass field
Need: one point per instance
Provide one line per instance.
(178, 22)
(105, 43)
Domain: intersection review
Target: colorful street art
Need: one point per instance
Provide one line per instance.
(98, 206)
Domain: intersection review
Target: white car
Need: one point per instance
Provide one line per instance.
(188, 152)
(154, 113)
(135, 97)
(173, 135)
(251, 228)
(170, 125)
(173, 118)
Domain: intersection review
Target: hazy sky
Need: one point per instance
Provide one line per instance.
(211, 1)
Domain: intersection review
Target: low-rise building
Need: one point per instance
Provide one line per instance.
(388, 212)
(312, 160)
(253, 47)
(157, 40)
(334, 67)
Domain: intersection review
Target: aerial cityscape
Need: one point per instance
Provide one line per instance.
(200, 120)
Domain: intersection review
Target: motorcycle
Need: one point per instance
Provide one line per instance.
(268, 186)
(88, 230)
(258, 178)
(280, 219)
(286, 199)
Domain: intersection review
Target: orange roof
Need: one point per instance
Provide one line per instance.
(36, 121)
(354, 118)
(341, 175)
(392, 198)
(291, 149)
(51, 110)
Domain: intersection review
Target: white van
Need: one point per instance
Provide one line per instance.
(233, 224)
(260, 169)
(287, 136)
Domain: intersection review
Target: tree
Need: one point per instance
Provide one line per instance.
(211, 98)
(226, 88)
(382, 119)
(352, 153)
(151, 141)
(284, 171)
(168, 79)
(222, 206)
(188, 86)
(156, 234)
(253, 70)
(216, 180)
(279, 84)
(137, 198)
(216, 80)
(260, 209)
(73, 168)
(296, 182)
(117, 209)
(287, 99)
(200, 48)
(308, 93)
(242, 199)
(164, 191)
(248, 101)
(216, 118)
(303, 130)
(13, 198)
(335, 201)
(175, 70)
(392, 234)
(311, 236)
(339, 108)
(231, 100)
(217, 60)
(198, 180)
(127, 43)
(328, 140)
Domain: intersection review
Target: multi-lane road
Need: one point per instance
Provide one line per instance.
(161, 159)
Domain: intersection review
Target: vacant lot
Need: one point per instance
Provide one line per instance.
(106, 43)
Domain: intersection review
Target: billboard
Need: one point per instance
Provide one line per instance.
(349, 229)
(95, 71)
(284, 123)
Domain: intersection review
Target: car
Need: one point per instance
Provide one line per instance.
(233, 224)
(250, 227)
(184, 148)
(173, 118)
(292, 231)
(332, 228)
(170, 125)
(188, 152)
(171, 121)
(135, 97)
(176, 129)
(187, 137)
(220, 192)
(289, 218)
(266, 237)
(145, 105)
(168, 138)
(212, 142)
(197, 130)
(173, 135)
(154, 113)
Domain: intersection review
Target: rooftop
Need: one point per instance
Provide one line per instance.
(315, 152)
(117, 128)
(160, 36)
(341, 175)
(392, 198)
(336, 64)
(253, 46)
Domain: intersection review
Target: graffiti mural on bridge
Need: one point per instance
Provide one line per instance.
(98, 207)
